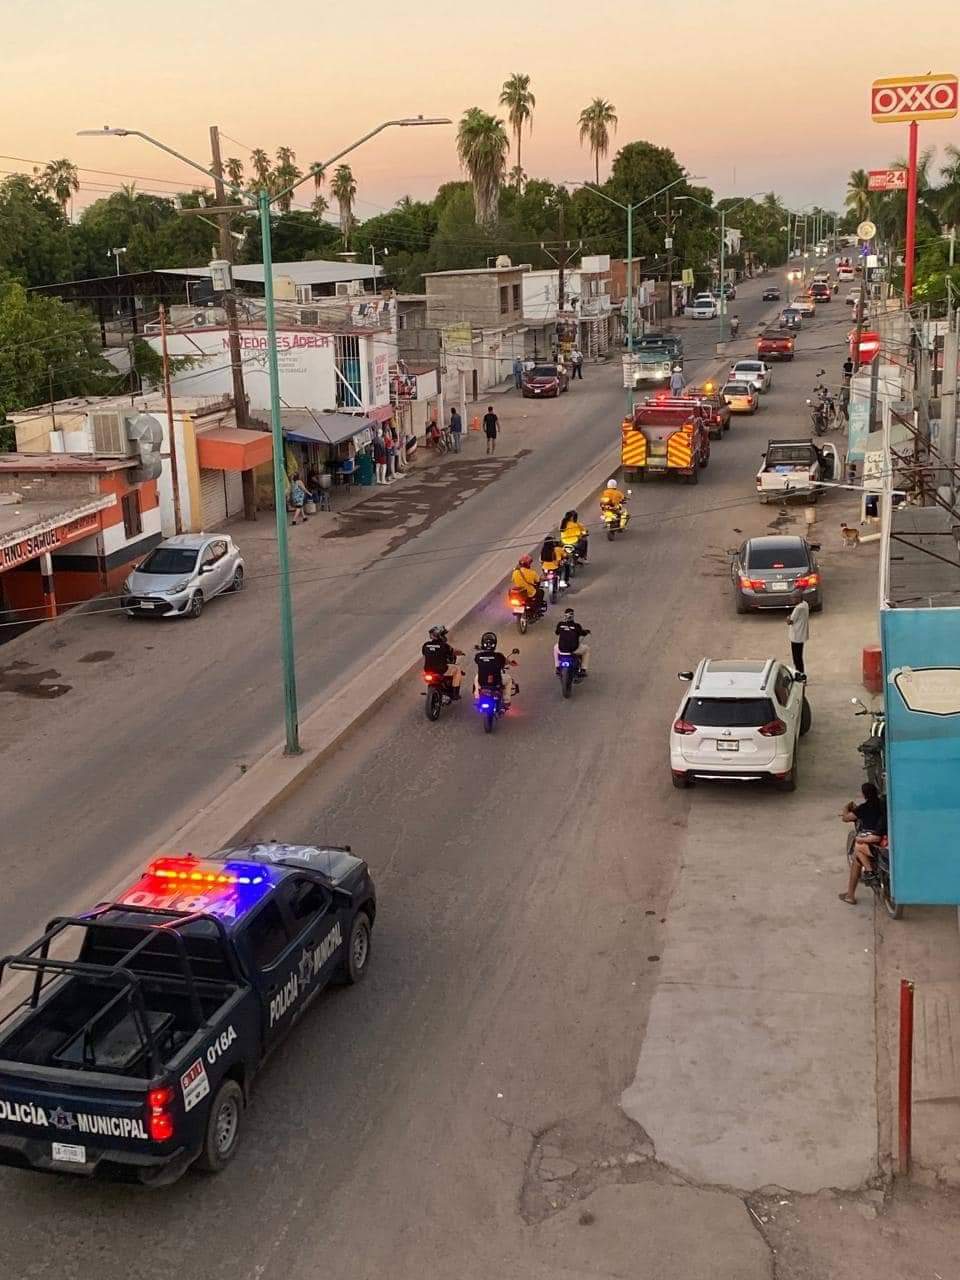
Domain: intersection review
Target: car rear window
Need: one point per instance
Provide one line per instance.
(728, 713)
(736, 389)
(781, 455)
(789, 557)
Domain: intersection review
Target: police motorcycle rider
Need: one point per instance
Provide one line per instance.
(614, 499)
(526, 580)
(574, 535)
(493, 669)
(440, 657)
(554, 559)
(570, 636)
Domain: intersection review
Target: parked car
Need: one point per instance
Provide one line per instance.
(776, 573)
(740, 720)
(742, 397)
(182, 574)
(703, 307)
(756, 372)
(544, 381)
(771, 294)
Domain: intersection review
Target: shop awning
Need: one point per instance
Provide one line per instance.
(325, 428)
(233, 449)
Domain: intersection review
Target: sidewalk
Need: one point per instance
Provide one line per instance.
(758, 1064)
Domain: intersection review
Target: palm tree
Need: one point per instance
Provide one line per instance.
(260, 162)
(519, 101)
(284, 175)
(319, 174)
(234, 171)
(343, 189)
(61, 180)
(482, 145)
(595, 122)
(319, 206)
(517, 177)
(858, 193)
(948, 196)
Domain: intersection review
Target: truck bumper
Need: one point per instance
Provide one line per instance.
(115, 1164)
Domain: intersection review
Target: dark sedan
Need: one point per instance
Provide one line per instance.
(544, 380)
(776, 573)
(771, 293)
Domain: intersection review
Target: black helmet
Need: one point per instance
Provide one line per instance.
(438, 633)
(488, 640)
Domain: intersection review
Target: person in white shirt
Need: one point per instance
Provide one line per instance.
(798, 629)
(576, 359)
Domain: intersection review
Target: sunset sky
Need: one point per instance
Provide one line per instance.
(750, 96)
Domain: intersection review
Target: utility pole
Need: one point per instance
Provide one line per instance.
(669, 222)
(564, 252)
(168, 396)
(233, 326)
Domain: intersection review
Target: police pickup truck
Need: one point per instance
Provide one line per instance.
(147, 1019)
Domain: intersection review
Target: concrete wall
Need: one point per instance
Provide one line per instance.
(474, 297)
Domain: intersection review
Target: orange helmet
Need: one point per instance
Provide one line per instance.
(526, 562)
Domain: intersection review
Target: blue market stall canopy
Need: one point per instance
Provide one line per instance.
(326, 428)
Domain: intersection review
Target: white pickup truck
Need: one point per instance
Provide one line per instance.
(796, 469)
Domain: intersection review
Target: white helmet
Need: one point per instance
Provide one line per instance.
(612, 484)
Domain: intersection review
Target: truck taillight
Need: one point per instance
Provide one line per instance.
(159, 1115)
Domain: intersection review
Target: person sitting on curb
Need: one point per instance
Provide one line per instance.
(870, 817)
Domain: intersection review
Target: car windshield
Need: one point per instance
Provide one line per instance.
(791, 556)
(543, 371)
(798, 454)
(169, 560)
(728, 713)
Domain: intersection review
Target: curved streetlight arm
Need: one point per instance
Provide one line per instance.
(106, 132)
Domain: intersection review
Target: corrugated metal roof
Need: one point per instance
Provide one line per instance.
(319, 272)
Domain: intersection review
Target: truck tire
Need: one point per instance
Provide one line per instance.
(222, 1135)
(694, 476)
(356, 959)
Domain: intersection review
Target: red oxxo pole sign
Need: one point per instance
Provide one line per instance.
(910, 99)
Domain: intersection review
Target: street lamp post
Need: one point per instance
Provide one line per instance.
(629, 210)
(722, 213)
(262, 206)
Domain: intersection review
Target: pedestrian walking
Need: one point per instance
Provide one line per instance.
(798, 629)
(298, 496)
(517, 372)
(456, 429)
(491, 429)
(676, 381)
(848, 369)
(576, 357)
(380, 459)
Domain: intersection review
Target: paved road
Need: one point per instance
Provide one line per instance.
(158, 717)
(450, 1116)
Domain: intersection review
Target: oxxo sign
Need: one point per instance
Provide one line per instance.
(903, 98)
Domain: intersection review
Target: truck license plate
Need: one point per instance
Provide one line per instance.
(69, 1154)
(728, 746)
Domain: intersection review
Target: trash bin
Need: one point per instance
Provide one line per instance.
(365, 468)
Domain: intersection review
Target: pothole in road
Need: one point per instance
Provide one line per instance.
(19, 679)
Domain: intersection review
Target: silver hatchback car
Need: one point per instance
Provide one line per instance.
(777, 572)
(180, 575)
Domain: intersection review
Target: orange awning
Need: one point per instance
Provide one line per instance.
(233, 449)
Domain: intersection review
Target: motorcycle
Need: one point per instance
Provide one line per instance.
(555, 581)
(873, 749)
(438, 693)
(576, 556)
(879, 878)
(568, 671)
(491, 703)
(524, 608)
(818, 417)
(615, 519)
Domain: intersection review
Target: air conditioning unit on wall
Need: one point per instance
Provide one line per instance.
(109, 434)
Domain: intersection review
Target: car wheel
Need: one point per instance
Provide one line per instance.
(222, 1135)
(742, 606)
(237, 582)
(681, 781)
(357, 958)
(817, 608)
(806, 718)
(195, 608)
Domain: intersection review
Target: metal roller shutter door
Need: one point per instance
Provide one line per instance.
(213, 498)
(234, 485)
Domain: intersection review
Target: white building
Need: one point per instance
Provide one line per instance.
(586, 301)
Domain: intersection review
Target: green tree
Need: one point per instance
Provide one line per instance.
(948, 196)
(344, 189)
(36, 245)
(297, 236)
(482, 146)
(596, 121)
(519, 102)
(284, 175)
(857, 199)
(234, 171)
(61, 179)
(44, 339)
(260, 163)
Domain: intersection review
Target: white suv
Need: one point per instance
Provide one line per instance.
(740, 721)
